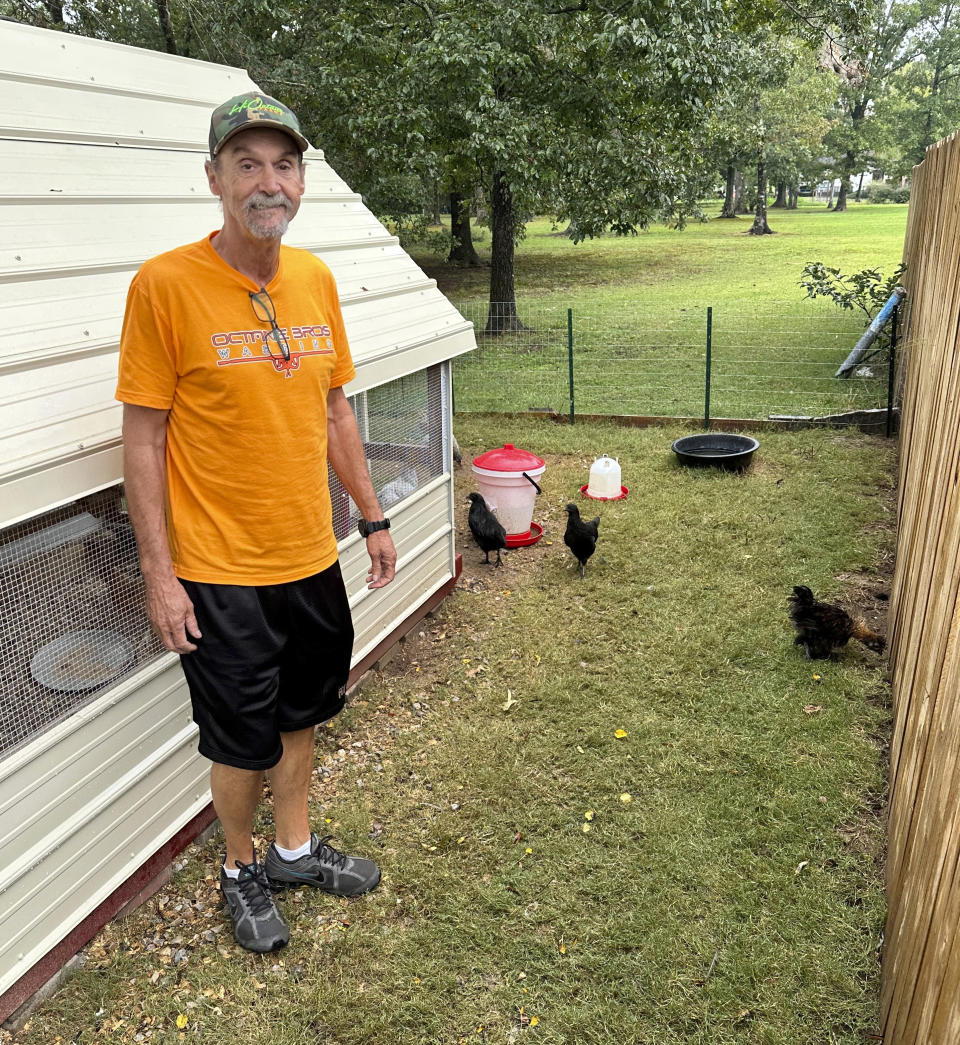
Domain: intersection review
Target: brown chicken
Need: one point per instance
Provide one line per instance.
(822, 627)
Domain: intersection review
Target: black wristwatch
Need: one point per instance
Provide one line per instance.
(366, 528)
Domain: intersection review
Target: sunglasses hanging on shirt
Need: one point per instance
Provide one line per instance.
(264, 310)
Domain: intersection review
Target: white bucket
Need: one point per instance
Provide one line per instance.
(604, 478)
(502, 480)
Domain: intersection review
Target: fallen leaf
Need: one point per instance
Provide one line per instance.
(800, 867)
(509, 702)
(587, 827)
(620, 734)
(182, 1020)
(812, 709)
(588, 815)
(626, 799)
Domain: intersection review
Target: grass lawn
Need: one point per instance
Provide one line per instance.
(640, 306)
(617, 810)
(713, 262)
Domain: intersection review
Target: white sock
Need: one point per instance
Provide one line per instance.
(293, 854)
(231, 872)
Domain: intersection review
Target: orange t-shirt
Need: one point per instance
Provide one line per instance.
(246, 455)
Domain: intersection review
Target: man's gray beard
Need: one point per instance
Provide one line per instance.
(266, 232)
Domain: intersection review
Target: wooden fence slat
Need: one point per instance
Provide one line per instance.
(920, 993)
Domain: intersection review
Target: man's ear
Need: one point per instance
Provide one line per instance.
(211, 171)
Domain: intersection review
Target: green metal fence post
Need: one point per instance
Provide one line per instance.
(891, 363)
(570, 358)
(706, 398)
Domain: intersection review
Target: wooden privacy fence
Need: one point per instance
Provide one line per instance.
(921, 965)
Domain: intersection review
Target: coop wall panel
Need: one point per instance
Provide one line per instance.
(102, 152)
(60, 864)
(55, 172)
(423, 537)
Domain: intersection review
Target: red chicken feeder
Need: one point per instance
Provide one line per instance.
(507, 479)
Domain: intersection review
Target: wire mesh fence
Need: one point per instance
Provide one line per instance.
(776, 361)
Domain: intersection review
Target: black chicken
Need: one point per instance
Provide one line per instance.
(486, 530)
(822, 627)
(581, 537)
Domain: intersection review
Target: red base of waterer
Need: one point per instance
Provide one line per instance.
(524, 540)
(583, 489)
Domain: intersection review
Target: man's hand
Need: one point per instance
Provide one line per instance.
(171, 614)
(383, 559)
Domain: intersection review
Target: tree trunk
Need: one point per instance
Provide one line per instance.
(760, 226)
(781, 200)
(502, 312)
(54, 11)
(830, 196)
(166, 26)
(739, 194)
(793, 197)
(860, 187)
(841, 204)
(462, 251)
(730, 194)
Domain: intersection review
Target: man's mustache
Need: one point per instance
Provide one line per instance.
(261, 201)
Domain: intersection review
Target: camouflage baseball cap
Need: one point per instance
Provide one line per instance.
(252, 110)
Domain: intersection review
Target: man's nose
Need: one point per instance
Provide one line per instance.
(270, 181)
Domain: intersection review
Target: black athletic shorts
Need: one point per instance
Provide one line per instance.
(273, 659)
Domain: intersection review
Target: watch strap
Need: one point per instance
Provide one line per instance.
(373, 527)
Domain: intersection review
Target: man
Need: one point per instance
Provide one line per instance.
(233, 359)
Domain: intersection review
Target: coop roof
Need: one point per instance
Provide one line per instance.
(101, 167)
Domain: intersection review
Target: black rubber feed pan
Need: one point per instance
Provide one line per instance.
(716, 449)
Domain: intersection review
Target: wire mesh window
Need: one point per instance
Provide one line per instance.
(402, 425)
(73, 620)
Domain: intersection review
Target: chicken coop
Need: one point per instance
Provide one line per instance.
(102, 167)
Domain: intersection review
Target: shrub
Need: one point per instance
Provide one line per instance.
(881, 192)
(866, 290)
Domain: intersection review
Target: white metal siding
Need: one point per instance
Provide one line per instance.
(101, 167)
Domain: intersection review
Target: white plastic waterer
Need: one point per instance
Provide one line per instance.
(605, 477)
(506, 477)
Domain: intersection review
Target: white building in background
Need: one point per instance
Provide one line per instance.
(822, 190)
(101, 167)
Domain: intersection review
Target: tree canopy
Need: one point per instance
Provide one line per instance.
(607, 115)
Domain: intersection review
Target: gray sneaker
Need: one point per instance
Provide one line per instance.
(257, 924)
(323, 867)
